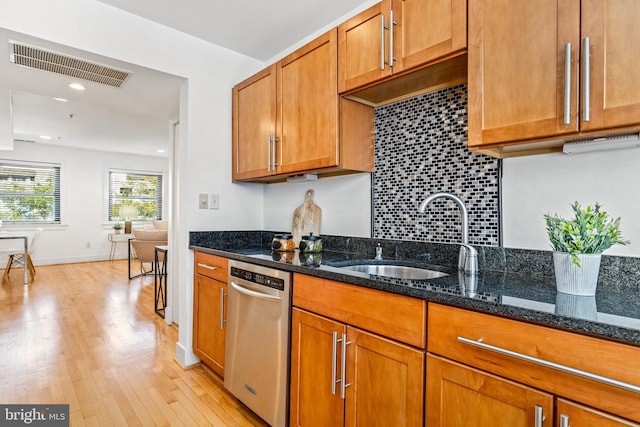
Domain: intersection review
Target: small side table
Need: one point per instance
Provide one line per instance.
(115, 239)
(160, 280)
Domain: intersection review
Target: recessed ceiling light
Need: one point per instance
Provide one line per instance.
(60, 99)
(160, 150)
(45, 137)
(76, 86)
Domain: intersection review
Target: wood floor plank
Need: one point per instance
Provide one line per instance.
(84, 335)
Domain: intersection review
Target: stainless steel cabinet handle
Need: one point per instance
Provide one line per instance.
(334, 361)
(563, 368)
(564, 420)
(391, 51)
(586, 64)
(269, 139)
(539, 416)
(273, 154)
(222, 319)
(567, 84)
(251, 293)
(343, 383)
(382, 27)
(208, 267)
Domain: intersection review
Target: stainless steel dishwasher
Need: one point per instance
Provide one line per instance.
(257, 348)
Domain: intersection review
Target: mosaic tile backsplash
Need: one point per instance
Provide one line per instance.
(420, 149)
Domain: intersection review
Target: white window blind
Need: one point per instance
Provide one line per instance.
(29, 192)
(142, 190)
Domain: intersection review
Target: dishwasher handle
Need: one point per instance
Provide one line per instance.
(251, 293)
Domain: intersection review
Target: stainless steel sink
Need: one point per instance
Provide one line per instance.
(397, 271)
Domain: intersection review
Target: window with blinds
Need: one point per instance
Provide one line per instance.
(29, 192)
(139, 190)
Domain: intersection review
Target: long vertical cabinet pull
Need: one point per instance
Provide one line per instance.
(334, 361)
(269, 139)
(222, 319)
(539, 416)
(564, 420)
(586, 64)
(382, 28)
(343, 383)
(567, 84)
(391, 31)
(274, 138)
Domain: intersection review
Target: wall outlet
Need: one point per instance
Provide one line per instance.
(203, 201)
(214, 201)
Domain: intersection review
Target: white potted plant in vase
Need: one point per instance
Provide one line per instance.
(578, 244)
(117, 227)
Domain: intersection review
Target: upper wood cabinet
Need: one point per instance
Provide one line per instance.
(396, 36)
(254, 125)
(549, 71)
(288, 119)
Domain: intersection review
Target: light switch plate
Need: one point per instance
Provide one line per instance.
(203, 201)
(214, 201)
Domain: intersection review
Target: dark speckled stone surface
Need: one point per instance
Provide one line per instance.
(513, 283)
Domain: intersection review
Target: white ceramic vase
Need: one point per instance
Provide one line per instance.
(576, 280)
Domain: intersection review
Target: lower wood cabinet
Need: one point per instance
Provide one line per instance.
(484, 370)
(209, 310)
(461, 396)
(341, 375)
(570, 414)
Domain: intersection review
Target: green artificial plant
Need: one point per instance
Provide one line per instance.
(590, 232)
(117, 226)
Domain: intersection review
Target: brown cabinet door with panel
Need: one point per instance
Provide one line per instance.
(385, 382)
(254, 126)
(209, 328)
(209, 310)
(613, 98)
(571, 414)
(523, 69)
(308, 101)
(315, 395)
(427, 30)
(461, 396)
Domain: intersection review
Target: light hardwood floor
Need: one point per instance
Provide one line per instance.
(85, 335)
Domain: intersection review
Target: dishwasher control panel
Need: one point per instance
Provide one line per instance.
(257, 278)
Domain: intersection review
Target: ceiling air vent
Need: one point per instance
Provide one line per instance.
(41, 59)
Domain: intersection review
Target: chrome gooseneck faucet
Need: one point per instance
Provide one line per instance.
(468, 257)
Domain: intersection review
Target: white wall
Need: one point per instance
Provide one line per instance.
(345, 202)
(536, 185)
(83, 182)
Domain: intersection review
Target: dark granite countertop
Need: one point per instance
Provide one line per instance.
(613, 314)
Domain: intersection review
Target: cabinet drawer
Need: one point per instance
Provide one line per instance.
(532, 347)
(211, 266)
(397, 317)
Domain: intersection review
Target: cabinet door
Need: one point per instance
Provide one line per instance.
(254, 122)
(611, 26)
(208, 322)
(517, 68)
(426, 30)
(363, 48)
(313, 403)
(386, 382)
(570, 414)
(460, 396)
(308, 96)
